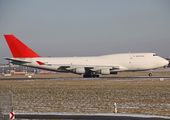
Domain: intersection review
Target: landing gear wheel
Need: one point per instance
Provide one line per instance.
(95, 76)
(86, 76)
(150, 74)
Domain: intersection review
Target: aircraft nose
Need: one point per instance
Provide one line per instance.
(165, 62)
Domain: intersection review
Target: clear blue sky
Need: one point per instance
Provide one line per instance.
(86, 27)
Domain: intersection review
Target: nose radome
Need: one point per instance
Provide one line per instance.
(165, 62)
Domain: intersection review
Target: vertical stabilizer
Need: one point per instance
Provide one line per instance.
(19, 49)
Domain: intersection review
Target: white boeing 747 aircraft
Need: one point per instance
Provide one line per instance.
(88, 66)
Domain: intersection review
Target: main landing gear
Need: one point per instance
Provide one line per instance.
(95, 76)
(90, 76)
(150, 74)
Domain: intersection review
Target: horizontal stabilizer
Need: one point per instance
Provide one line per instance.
(18, 60)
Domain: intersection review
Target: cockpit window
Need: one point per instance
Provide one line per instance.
(155, 55)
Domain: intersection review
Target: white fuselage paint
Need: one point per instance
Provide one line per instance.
(125, 62)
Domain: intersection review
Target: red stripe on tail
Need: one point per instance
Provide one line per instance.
(19, 49)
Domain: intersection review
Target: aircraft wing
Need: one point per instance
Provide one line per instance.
(90, 67)
(84, 69)
(70, 67)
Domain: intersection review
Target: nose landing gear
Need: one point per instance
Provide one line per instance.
(150, 74)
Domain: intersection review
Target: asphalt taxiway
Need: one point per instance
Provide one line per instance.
(88, 116)
(77, 78)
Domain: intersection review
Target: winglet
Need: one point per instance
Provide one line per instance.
(19, 49)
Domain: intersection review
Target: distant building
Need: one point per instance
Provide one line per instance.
(18, 69)
(15, 68)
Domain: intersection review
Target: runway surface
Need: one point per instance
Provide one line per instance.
(90, 116)
(76, 78)
(110, 116)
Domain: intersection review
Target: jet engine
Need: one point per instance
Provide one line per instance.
(80, 70)
(105, 71)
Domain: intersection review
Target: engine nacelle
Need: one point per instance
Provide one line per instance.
(80, 70)
(105, 71)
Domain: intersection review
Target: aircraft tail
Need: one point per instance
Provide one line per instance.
(19, 49)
